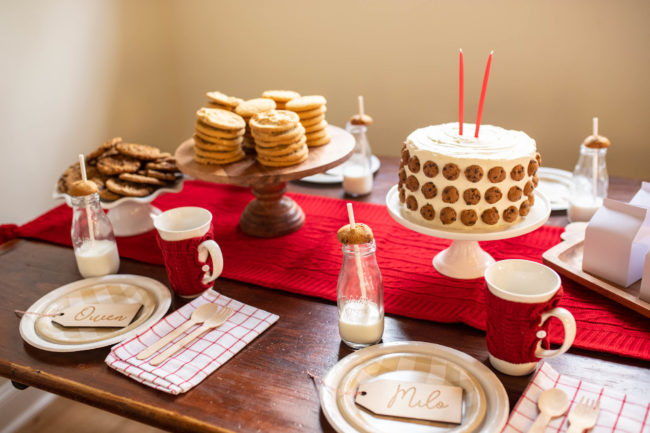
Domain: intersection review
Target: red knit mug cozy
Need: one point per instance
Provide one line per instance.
(189, 271)
(521, 298)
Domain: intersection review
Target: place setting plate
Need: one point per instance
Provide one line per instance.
(42, 333)
(485, 402)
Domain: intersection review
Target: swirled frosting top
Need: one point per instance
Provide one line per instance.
(493, 142)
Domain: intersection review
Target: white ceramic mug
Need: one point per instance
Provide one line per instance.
(513, 283)
(178, 230)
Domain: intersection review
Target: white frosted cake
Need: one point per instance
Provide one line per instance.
(460, 182)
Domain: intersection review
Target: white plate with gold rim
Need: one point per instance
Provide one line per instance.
(335, 400)
(155, 295)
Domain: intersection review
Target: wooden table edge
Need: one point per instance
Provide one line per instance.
(122, 406)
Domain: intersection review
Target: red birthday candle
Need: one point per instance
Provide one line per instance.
(461, 91)
(482, 100)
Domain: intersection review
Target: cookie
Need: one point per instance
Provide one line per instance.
(273, 138)
(282, 149)
(468, 217)
(127, 189)
(429, 190)
(411, 203)
(531, 199)
(474, 173)
(450, 194)
(412, 183)
(310, 113)
(81, 188)
(161, 175)
(535, 181)
(361, 119)
(514, 193)
(414, 164)
(447, 215)
(471, 196)
(451, 171)
(211, 161)
(518, 172)
(402, 195)
(510, 214)
(524, 208)
(138, 151)
(312, 121)
(315, 135)
(490, 216)
(427, 212)
(282, 96)
(218, 98)
(137, 178)
(254, 106)
(106, 194)
(117, 164)
(108, 144)
(360, 234)
(211, 143)
(315, 128)
(493, 195)
(162, 166)
(306, 103)
(528, 188)
(319, 142)
(496, 174)
(220, 156)
(274, 121)
(430, 169)
(402, 174)
(221, 119)
(296, 157)
(538, 158)
(205, 129)
(532, 167)
(405, 155)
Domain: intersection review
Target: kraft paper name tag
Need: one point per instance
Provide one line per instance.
(97, 315)
(412, 400)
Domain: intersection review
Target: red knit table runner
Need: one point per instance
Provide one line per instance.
(308, 262)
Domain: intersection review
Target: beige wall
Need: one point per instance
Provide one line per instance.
(79, 72)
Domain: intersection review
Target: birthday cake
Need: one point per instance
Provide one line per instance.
(460, 182)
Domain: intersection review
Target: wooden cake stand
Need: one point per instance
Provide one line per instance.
(271, 213)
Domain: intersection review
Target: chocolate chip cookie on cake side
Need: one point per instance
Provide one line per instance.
(311, 111)
(451, 181)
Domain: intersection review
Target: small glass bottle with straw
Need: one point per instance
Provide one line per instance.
(357, 171)
(94, 244)
(360, 290)
(590, 180)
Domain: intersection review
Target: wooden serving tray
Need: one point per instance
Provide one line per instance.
(566, 259)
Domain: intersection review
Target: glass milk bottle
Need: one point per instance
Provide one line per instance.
(357, 172)
(360, 296)
(92, 237)
(590, 180)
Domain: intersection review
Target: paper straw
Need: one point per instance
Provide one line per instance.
(361, 112)
(91, 229)
(357, 256)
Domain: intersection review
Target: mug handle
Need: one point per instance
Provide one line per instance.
(210, 248)
(569, 324)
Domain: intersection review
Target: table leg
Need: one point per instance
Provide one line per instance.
(271, 213)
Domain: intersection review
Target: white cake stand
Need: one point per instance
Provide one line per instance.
(464, 258)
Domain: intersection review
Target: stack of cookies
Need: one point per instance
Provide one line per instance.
(311, 110)
(247, 110)
(218, 136)
(225, 102)
(279, 138)
(280, 97)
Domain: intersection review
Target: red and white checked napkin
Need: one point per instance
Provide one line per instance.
(188, 367)
(619, 413)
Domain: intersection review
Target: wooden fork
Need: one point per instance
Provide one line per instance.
(583, 415)
(214, 321)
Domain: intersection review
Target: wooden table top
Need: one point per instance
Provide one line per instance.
(265, 387)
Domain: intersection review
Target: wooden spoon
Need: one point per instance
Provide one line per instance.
(552, 403)
(200, 315)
